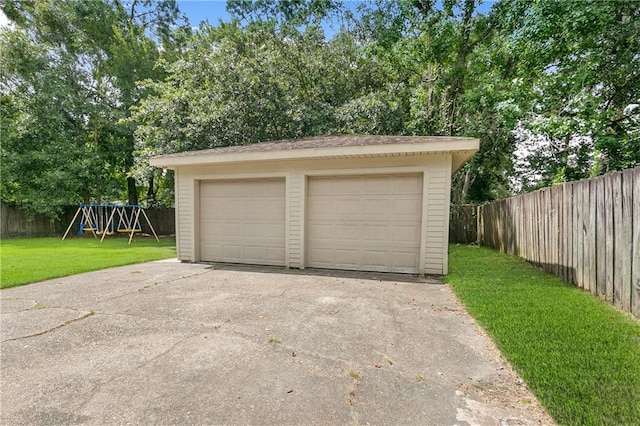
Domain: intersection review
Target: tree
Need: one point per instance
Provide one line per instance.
(449, 74)
(71, 77)
(580, 59)
(238, 85)
(399, 69)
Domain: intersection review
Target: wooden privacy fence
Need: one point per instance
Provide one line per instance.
(15, 222)
(463, 223)
(585, 232)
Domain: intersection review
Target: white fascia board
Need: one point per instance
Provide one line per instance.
(466, 147)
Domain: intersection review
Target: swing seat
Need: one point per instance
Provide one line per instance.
(129, 230)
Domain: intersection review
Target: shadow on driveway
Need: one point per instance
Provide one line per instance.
(338, 273)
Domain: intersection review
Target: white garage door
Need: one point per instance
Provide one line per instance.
(369, 223)
(243, 221)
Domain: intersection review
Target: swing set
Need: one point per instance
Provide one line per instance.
(109, 219)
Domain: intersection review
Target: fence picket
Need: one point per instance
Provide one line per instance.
(601, 238)
(617, 239)
(635, 249)
(627, 233)
(609, 241)
(591, 237)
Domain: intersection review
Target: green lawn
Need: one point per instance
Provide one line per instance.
(580, 356)
(28, 260)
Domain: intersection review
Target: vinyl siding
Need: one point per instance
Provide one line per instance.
(185, 199)
(296, 200)
(437, 179)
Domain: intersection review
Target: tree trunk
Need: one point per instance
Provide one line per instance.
(465, 186)
(151, 192)
(132, 191)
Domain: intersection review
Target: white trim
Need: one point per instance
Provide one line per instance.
(287, 220)
(241, 176)
(195, 226)
(176, 211)
(303, 221)
(423, 225)
(312, 173)
(366, 171)
(447, 212)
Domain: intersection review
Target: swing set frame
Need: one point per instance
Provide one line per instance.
(107, 219)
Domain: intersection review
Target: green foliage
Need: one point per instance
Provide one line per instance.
(580, 356)
(581, 59)
(28, 260)
(425, 73)
(92, 89)
(283, 13)
(237, 86)
(71, 71)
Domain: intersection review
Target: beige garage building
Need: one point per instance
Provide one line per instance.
(371, 203)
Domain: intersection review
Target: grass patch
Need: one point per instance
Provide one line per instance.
(28, 260)
(580, 356)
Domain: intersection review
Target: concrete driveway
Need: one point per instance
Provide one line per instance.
(172, 343)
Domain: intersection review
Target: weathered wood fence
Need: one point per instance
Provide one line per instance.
(585, 232)
(15, 222)
(463, 223)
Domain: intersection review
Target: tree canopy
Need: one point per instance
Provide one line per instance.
(91, 89)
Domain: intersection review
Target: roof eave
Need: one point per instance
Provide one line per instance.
(461, 151)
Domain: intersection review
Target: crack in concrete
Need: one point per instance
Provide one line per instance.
(214, 326)
(284, 291)
(100, 385)
(49, 330)
(148, 286)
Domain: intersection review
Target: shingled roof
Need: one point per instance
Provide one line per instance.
(333, 141)
(323, 147)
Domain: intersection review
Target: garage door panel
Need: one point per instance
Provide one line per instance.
(320, 186)
(322, 206)
(274, 209)
(231, 252)
(375, 207)
(376, 233)
(323, 257)
(377, 185)
(224, 231)
(209, 251)
(347, 208)
(407, 185)
(275, 254)
(243, 221)
(409, 235)
(405, 260)
(376, 227)
(374, 258)
(348, 258)
(407, 207)
(348, 232)
(263, 231)
(348, 187)
(254, 254)
(320, 231)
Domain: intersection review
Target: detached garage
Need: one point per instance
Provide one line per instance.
(370, 203)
